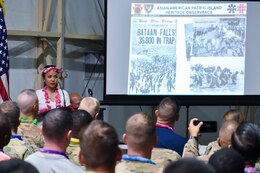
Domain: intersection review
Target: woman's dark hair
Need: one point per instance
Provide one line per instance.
(43, 74)
(246, 140)
(47, 66)
(227, 160)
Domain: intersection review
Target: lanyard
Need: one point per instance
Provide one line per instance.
(137, 158)
(17, 137)
(29, 120)
(164, 126)
(53, 152)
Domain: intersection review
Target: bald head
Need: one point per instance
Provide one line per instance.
(75, 100)
(227, 129)
(91, 105)
(27, 101)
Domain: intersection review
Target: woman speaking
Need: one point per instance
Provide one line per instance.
(50, 96)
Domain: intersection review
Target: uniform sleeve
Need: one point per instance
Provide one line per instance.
(212, 148)
(191, 148)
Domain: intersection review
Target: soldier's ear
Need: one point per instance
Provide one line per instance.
(41, 130)
(68, 136)
(156, 112)
(96, 116)
(124, 137)
(219, 143)
(229, 146)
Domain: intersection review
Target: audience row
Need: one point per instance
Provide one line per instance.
(73, 140)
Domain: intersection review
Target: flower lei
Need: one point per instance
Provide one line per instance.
(47, 101)
(46, 70)
(29, 120)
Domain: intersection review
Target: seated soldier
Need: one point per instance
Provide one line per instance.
(17, 166)
(27, 101)
(17, 147)
(224, 140)
(246, 141)
(140, 138)
(162, 157)
(91, 105)
(81, 119)
(232, 114)
(75, 100)
(56, 130)
(99, 150)
(227, 160)
(167, 115)
(188, 165)
(5, 135)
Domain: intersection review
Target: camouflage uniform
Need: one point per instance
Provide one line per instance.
(72, 152)
(212, 148)
(31, 134)
(126, 166)
(18, 149)
(163, 157)
(257, 165)
(191, 149)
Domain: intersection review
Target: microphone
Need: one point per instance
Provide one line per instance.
(90, 92)
(64, 100)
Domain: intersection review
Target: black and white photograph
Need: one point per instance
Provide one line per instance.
(216, 37)
(217, 78)
(152, 75)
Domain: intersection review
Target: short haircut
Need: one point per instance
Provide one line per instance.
(11, 110)
(168, 108)
(5, 131)
(26, 99)
(140, 130)
(246, 140)
(99, 145)
(227, 160)
(17, 166)
(90, 104)
(235, 115)
(81, 119)
(56, 123)
(226, 130)
(188, 165)
(75, 100)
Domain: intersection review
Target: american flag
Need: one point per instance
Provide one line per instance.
(4, 60)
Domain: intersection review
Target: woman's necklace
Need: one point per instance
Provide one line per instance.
(47, 100)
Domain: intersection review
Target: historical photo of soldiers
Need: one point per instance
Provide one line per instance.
(152, 75)
(216, 37)
(216, 79)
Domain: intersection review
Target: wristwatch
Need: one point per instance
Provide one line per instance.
(194, 137)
